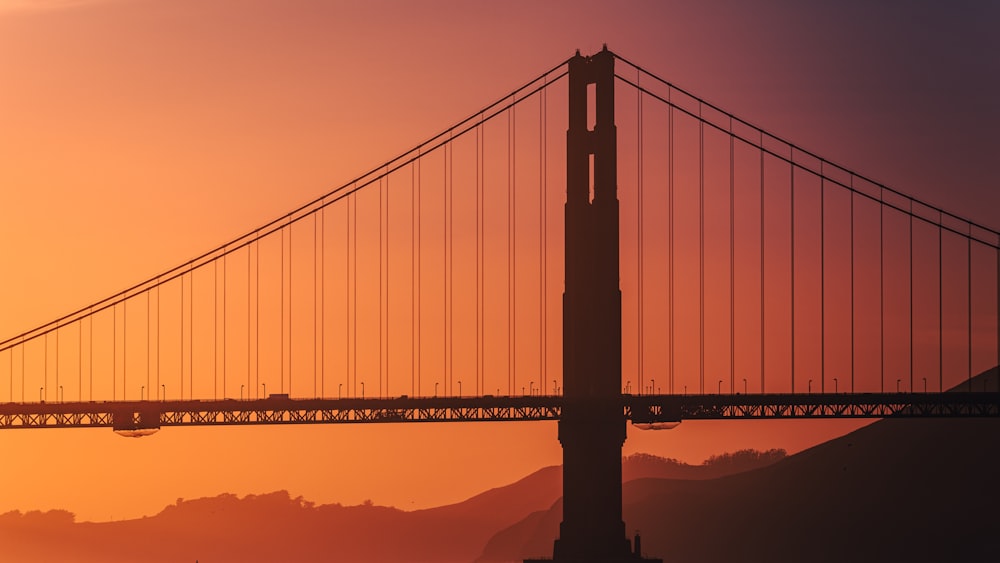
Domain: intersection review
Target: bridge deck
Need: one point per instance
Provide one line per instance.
(654, 410)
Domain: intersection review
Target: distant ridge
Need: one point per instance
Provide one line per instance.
(909, 490)
(276, 527)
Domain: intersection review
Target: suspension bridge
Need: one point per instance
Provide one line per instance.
(683, 264)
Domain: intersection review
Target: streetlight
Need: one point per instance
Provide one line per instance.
(834, 385)
(628, 385)
(363, 389)
(142, 391)
(164, 385)
(62, 396)
(685, 389)
(720, 387)
(265, 389)
(531, 388)
(809, 387)
(555, 388)
(459, 387)
(241, 391)
(40, 400)
(925, 385)
(435, 389)
(744, 386)
(897, 385)
(652, 386)
(339, 387)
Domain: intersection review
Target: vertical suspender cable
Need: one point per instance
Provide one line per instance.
(701, 251)
(451, 267)
(444, 272)
(513, 245)
(256, 323)
(315, 218)
(911, 295)
(510, 327)
(732, 259)
(148, 336)
(881, 286)
(225, 258)
(157, 341)
(541, 240)
(852, 283)
(114, 350)
(215, 328)
(419, 275)
(347, 295)
(822, 280)
(545, 235)
(291, 253)
(322, 300)
(282, 356)
(762, 348)
(413, 281)
(968, 261)
(179, 371)
(791, 254)
(191, 339)
(481, 250)
(940, 304)
(387, 293)
(638, 233)
(381, 310)
(478, 266)
(670, 234)
(249, 278)
(354, 285)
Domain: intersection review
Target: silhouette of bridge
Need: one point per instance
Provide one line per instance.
(698, 252)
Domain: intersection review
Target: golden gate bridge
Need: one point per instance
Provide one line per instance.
(689, 264)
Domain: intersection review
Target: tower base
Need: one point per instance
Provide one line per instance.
(630, 556)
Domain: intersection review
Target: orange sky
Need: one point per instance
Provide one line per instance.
(135, 135)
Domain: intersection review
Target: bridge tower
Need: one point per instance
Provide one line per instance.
(592, 425)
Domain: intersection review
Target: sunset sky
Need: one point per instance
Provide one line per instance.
(136, 134)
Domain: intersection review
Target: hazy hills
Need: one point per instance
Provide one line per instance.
(275, 527)
(896, 490)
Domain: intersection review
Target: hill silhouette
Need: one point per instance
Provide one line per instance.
(276, 527)
(908, 490)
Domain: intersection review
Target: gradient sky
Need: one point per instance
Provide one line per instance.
(137, 134)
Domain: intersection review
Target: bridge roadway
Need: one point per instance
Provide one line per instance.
(645, 411)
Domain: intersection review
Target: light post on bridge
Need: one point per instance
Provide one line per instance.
(897, 385)
(435, 389)
(265, 389)
(459, 387)
(164, 385)
(339, 387)
(628, 385)
(652, 386)
(40, 399)
(142, 391)
(241, 391)
(555, 388)
(720, 387)
(363, 389)
(62, 396)
(809, 387)
(531, 387)
(925, 385)
(834, 385)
